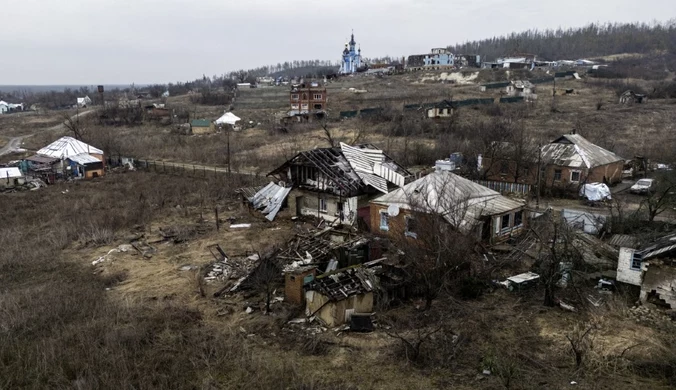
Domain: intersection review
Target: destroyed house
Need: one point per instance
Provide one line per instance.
(466, 206)
(651, 266)
(306, 256)
(334, 297)
(337, 183)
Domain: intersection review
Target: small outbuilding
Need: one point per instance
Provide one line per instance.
(11, 177)
(334, 297)
(202, 126)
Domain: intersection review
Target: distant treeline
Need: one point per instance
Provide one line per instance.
(574, 43)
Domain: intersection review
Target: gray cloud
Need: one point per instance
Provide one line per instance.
(147, 41)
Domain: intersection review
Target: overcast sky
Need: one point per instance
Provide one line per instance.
(158, 41)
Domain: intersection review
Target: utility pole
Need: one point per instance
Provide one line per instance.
(539, 173)
(227, 131)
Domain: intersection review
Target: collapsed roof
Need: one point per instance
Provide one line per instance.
(573, 150)
(347, 170)
(66, 147)
(342, 284)
(460, 201)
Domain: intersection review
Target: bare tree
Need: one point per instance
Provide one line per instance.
(662, 198)
(435, 236)
(556, 250)
(73, 125)
(264, 279)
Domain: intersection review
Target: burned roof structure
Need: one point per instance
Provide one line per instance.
(318, 249)
(345, 171)
(342, 284)
(573, 150)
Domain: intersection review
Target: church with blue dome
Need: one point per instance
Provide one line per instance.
(351, 58)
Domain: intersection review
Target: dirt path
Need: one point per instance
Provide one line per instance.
(14, 143)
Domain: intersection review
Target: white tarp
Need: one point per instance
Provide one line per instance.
(595, 191)
(228, 118)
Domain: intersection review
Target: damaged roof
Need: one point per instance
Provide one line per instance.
(350, 169)
(342, 284)
(270, 199)
(460, 201)
(662, 246)
(573, 150)
(66, 147)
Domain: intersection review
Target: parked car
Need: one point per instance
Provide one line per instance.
(643, 186)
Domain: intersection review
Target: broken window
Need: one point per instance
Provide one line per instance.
(294, 96)
(636, 261)
(575, 176)
(318, 106)
(557, 175)
(505, 222)
(410, 227)
(504, 167)
(384, 224)
(323, 204)
(518, 218)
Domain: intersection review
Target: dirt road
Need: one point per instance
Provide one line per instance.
(14, 144)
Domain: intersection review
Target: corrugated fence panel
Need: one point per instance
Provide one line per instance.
(503, 187)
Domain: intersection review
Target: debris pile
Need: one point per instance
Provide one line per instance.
(647, 316)
(232, 268)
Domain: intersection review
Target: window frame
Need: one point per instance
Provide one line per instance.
(323, 205)
(384, 216)
(560, 174)
(636, 257)
(520, 213)
(317, 96)
(408, 231)
(504, 229)
(295, 97)
(579, 176)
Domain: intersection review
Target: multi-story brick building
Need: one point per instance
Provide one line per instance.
(307, 100)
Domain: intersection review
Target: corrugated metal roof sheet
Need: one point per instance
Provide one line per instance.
(84, 159)
(42, 159)
(573, 150)
(623, 241)
(270, 199)
(200, 123)
(66, 147)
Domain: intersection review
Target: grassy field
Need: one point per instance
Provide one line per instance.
(136, 322)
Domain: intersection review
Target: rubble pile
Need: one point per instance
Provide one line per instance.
(232, 269)
(647, 316)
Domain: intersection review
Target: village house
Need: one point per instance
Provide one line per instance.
(336, 184)
(443, 109)
(202, 126)
(334, 297)
(567, 162)
(70, 157)
(307, 101)
(651, 266)
(83, 102)
(10, 107)
(522, 88)
(465, 205)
